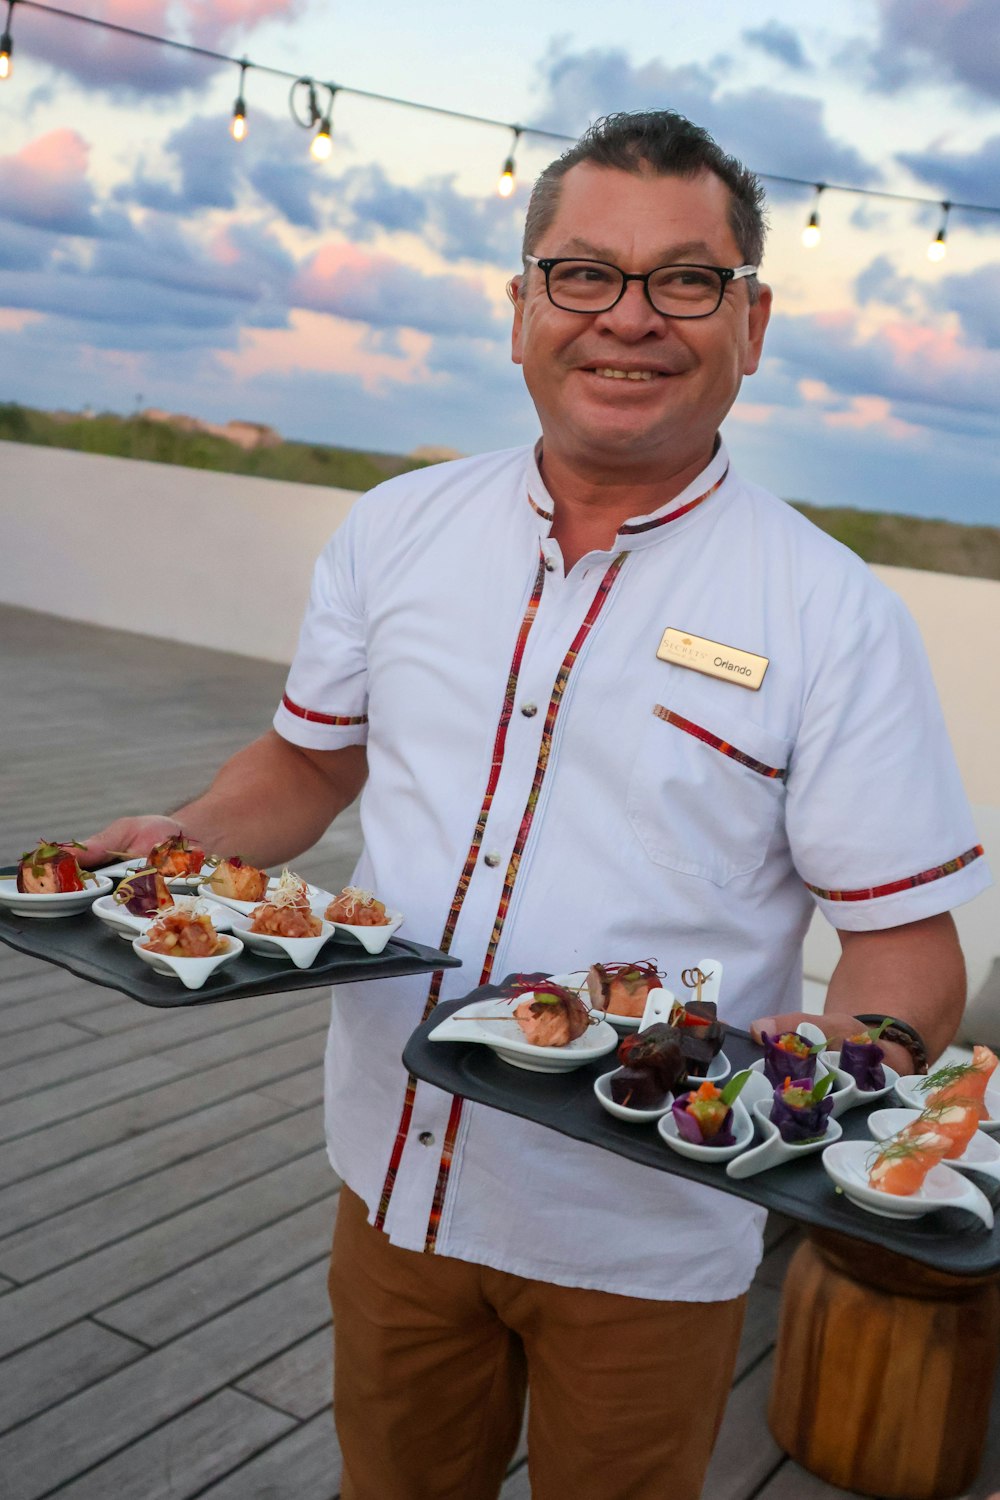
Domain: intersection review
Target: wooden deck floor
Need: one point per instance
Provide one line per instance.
(165, 1200)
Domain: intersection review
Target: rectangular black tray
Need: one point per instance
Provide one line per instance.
(87, 948)
(950, 1240)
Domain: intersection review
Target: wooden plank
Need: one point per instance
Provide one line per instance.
(190, 1040)
(30, 986)
(760, 1327)
(43, 1247)
(52, 1448)
(77, 1004)
(181, 1457)
(120, 1017)
(38, 1040)
(203, 1290)
(127, 1118)
(59, 1366)
(47, 1193)
(745, 1454)
(51, 1105)
(301, 1090)
(775, 1263)
(300, 1380)
(51, 1302)
(305, 1465)
(517, 1485)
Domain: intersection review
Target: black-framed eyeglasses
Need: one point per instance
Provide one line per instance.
(596, 286)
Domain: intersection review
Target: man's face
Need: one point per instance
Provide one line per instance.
(690, 369)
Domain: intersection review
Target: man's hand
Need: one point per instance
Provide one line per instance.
(127, 836)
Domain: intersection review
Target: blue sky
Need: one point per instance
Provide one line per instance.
(144, 254)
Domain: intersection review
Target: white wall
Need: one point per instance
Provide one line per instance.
(222, 560)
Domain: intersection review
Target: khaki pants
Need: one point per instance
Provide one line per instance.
(433, 1356)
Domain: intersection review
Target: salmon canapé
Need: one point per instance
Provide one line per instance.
(964, 1082)
(956, 1122)
(552, 1016)
(904, 1161)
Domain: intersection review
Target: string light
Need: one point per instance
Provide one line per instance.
(811, 234)
(505, 182)
(937, 247)
(238, 128)
(322, 145)
(7, 46)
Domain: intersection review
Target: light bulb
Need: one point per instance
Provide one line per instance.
(322, 145)
(505, 182)
(811, 234)
(6, 61)
(238, 128)
(937, 248)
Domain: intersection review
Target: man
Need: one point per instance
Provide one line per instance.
(547, 786)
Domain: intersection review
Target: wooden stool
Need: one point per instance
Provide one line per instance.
(883, 1370)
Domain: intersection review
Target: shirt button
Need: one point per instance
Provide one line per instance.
(550, 566)
(492, 859)
(529, 710)
(425, 1138)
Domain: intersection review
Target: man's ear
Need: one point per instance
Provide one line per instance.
(759, 314)
(514, 294)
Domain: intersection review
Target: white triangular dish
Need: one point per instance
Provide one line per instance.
(372, 939)
(982, 1154)
(848, 1163)
(174, 882)
(317, 897)
(192, 972)
(602, 1088)
(859, 1096)
(54, 903)
(773, 1151)
(302, 951)
(742, 1130)
(491, 1023)
(911, 1095)
(126, 925)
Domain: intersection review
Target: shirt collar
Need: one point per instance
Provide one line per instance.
(638, 530)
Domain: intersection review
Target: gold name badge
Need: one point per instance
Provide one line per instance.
(712, 658)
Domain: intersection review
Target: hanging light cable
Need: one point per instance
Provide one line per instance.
(811, 233)
(311, 114)
(937, 247)
(238, 128)
(7, 45)
(322, 143)
(505, 182)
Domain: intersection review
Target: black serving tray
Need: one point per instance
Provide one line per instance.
(950, 1240)
(87, 948)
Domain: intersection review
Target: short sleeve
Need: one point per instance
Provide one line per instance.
(325, 702)
(878, 823)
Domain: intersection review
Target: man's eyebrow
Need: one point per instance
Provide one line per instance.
(669, 255)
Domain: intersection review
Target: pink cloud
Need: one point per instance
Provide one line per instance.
(45, 184)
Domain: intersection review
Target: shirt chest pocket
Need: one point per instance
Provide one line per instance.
(705, 796)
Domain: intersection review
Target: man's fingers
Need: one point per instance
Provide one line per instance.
(757, 1028)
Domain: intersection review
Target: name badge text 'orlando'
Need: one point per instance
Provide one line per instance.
(712, 658)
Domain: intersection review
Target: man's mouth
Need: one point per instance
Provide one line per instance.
(617, 372)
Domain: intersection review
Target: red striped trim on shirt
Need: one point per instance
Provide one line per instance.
(546, 515)
(454, 910)
(315, 717)
(871, 893)
(674, 515)
(544, 751)
(708, 738)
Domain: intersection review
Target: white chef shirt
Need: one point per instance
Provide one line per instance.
(544, 793)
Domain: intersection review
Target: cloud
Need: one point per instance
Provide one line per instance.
(961, 176)
(46, 185)
(376, 289)
(950, 41)
(975, 298)
(772, 131)
(24, 249)
(779, 42)
(126, 66)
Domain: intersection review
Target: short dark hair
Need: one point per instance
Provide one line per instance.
(672, 146)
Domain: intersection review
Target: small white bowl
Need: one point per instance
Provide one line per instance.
(192, 972)
(372, 939)
(127, 925)
(742, 1130)
(491, 1023)
(910, 1094)
(302, 951)
(848, 1163)
(51, 904)
(602, 1088)
(316, 895)
(982, 1154)
(773, 1151)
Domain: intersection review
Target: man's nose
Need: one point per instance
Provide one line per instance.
(633, 315)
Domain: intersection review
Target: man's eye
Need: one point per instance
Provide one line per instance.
(580, 272)
(685, 276)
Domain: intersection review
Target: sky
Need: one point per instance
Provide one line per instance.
(148, 260)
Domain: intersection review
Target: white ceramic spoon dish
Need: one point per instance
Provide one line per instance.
(848, 1163)
(315, 895)
(742, 1130)
(491, 1023)
(54, 903)
(911, 1095)
(127, 926)
(303, 951)
(773, 1151)
(602, 1088)
(192, 972)
(982, 1154)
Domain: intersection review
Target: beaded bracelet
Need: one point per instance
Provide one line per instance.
(904, 1035)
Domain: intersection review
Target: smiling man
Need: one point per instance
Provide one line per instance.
(605, 699)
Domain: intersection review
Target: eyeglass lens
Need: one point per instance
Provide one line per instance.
(592, 286)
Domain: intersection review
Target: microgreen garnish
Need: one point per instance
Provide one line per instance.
(734, 1086)
(945, 1076)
